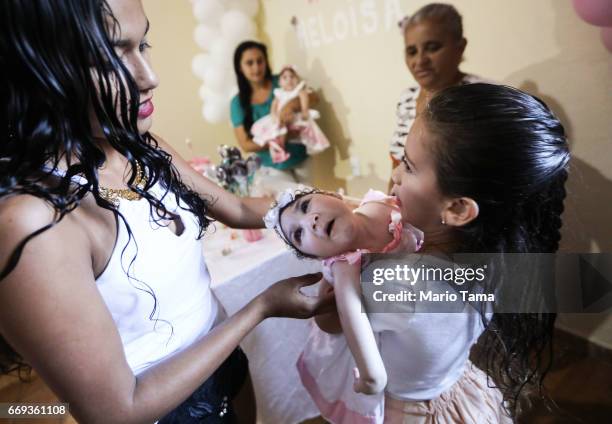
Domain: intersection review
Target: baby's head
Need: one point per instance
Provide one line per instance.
(314, 223)
(288, 78)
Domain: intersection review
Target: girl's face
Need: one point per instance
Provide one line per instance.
(415, 183)
(253, 65)
(432, 54)
(132, 47)
(319, 225)
(288, 80)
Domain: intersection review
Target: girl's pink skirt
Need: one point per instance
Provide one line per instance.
(469, 401)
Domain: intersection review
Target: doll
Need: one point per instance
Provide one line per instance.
(271, 131)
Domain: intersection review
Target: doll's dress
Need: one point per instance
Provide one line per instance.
(326, 364)
(266, 129)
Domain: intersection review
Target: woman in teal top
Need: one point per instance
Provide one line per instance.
(253, 101)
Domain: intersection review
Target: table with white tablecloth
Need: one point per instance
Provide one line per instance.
(240, 270)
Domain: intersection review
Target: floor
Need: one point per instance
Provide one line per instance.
(580, 384)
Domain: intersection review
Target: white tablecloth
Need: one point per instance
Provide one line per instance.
(274, 346)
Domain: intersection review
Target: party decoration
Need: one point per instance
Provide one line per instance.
(234, 173)
(204, 35)
(599, 13)
(235, 25)
(222, 25)
(594, 12)
(202, 164)
(208, 10)
(199, 64)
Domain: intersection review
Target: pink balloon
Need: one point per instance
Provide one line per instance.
(606, 38)
(595, 12)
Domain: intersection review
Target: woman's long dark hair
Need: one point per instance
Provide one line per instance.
(244, 87)
(55, 56)
(506, 150)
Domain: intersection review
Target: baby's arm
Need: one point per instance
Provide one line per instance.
(371, 377)
(274, 109)
(304, 104)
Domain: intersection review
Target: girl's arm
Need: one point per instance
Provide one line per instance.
(52, 313)
(234, 211)
(372, 377)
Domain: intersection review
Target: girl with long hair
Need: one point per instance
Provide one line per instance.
(483, 171)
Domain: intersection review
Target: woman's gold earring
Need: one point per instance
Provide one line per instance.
(443, 221)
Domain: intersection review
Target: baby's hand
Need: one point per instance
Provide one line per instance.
(369, 386)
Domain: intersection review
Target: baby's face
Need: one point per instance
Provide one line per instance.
(319, 225)
(288, 80)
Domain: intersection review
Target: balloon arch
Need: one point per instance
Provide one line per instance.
(222, 25)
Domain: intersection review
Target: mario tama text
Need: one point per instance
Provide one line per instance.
(431, 296)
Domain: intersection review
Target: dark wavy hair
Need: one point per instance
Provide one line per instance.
(507, 151)
(244, 87)
(58, 62)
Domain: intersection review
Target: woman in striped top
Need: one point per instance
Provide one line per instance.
(434, 46)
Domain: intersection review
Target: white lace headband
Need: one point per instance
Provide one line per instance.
(284, 198)
(291, 67)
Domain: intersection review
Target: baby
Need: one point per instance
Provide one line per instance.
(270, 131)
(320, 225)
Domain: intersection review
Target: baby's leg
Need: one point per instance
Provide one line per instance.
(281, 140)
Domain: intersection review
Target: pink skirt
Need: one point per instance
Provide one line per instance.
(469, 401)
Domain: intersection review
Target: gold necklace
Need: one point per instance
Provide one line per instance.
(113, 195)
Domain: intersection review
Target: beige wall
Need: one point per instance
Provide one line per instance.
(178, 107)
(353, 54)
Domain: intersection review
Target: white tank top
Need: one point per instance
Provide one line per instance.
(167, 265)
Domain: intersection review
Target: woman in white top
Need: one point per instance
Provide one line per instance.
(433, 49)
(103, 287)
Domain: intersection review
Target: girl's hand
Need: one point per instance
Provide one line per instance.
(284, 299)
(369, 386)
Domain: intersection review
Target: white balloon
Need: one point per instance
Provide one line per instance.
(208, 10)
(215, 112)
(205, 92)
(237, 26)
(222, 52)
(231, 91)
(200, 63)
(205, 35)
(250, 7)
(218, 79)
(213, 78)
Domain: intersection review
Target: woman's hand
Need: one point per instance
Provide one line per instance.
(328, 322)
(284, 299)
